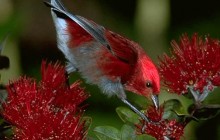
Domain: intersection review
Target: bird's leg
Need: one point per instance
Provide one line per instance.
(122, 96)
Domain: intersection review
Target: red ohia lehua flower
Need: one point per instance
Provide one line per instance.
(47, 110)
(160, 128)
(193, 66)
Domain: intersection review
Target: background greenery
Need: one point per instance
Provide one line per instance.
(152, 23)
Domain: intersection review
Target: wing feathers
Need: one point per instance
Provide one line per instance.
(76, 31)
(123, 48)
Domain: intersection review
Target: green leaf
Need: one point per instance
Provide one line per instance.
(205, 112)
(145, 137)
(107, 133)
(5, 129)
(87, 122)
(173, 108)
(128, 132)
(126, 115)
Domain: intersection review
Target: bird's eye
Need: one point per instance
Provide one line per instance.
(148, 84)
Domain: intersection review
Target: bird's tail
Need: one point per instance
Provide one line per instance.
(96, 31)
(71, 28)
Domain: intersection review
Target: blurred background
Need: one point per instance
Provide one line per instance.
(151, 23)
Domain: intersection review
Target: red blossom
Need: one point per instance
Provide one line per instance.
(159, 127)
(47, 110)
(155, 115)
(193, 63)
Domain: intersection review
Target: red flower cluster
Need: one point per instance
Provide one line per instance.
(47, 110)
(159, 127)
(194, 63)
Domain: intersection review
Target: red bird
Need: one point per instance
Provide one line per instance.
(104, 58)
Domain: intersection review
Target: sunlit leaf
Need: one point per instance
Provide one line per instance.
(107, 133)
(145, 137)
(173, 108)
(126, 115)
(128, 132)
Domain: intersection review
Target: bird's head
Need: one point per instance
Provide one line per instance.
(145, 80)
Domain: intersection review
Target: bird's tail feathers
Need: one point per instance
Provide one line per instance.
(96, 31)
